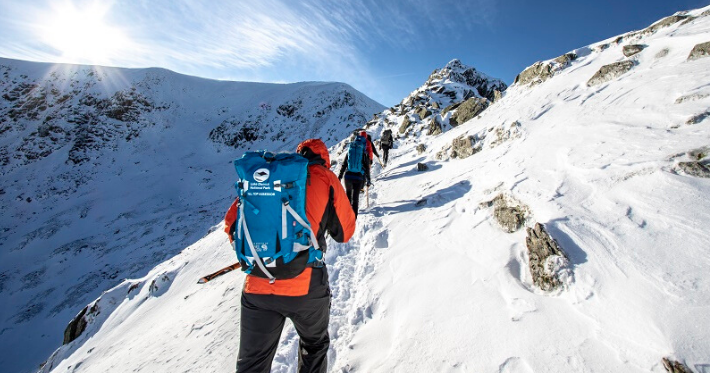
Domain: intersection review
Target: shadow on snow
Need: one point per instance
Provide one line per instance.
(433, 200)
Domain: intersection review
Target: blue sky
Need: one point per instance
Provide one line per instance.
(384, 48)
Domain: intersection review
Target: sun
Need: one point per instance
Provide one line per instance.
(82, 35)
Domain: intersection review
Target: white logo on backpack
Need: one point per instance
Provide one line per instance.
(261, 175)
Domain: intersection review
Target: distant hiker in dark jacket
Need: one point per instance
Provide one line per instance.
(304, 299)
(386, 143)
(354, 181)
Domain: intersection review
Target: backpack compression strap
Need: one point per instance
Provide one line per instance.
(286, 208)
(251, 245)
(295, 215)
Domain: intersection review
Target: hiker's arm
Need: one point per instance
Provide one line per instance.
(374, 149)
(230, 218)
(343, 167)
(341, 224)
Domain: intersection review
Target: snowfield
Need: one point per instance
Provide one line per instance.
(432, 283)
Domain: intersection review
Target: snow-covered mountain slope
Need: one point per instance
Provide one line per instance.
(615, 170)
(108, 172)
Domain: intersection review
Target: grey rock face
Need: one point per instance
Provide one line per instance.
(464, 147)
(609, 72)
(548, 263)
(697, 169)
(405, 125)
(509, 213)
(699, 153)
(468, 110)
(535, 74)
(665, 22)
(423, 112)
(630, 50)
(566, 58)
(503, 134)
(695, 119)
(434, 127)
(450, 108)
(673, 366)
(78, 324)
(700, 51)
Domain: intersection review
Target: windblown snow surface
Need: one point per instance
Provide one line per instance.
(431, 283)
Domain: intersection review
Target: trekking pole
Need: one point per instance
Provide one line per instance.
(378, 160)
(367, 195)
(222, 271)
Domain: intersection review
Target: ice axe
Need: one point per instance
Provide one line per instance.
(222, 271)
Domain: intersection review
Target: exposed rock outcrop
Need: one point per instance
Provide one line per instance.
(566, 59)
(464, 147)
(549, 265)
(468, 110)
(78, 324)
(510, 213)
(506, 133)
(695, 168)
(699, 153)
(699, 51)
(673, 366)
(535, 74)
(610, 72)
(630, 50)
(695, 119)
(434, 127)
(665, 22)
(405, 124)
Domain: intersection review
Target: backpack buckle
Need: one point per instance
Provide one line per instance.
(269, 156)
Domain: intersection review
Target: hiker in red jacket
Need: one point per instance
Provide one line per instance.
(370, 146)
(304, 299)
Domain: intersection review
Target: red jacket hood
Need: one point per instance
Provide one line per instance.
(317, 146)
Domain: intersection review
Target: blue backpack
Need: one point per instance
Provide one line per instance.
(273, 238)
(356, 151)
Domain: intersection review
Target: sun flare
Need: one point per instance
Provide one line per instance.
(82, 35)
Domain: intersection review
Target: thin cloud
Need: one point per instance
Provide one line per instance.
(266, 40)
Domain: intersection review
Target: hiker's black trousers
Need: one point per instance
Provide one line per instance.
(385, 153)
(263, 318)
(352, 190)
